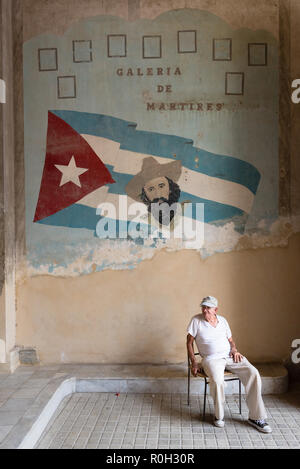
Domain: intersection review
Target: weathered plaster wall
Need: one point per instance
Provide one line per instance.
(295, 109)
(257, 14)
(140, 315)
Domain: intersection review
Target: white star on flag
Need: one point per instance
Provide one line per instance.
(70, 172)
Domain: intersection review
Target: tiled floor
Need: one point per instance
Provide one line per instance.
(108, 420)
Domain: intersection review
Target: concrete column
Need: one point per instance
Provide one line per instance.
(284, 202)
(8, 353)
(295, 111)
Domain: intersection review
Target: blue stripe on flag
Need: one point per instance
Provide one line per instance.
(74, 216)
(82, 216)
(156, 144)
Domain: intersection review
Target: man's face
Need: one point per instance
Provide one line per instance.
(157, 190)
(209, 312)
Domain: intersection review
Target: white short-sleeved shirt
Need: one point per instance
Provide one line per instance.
(212, 342)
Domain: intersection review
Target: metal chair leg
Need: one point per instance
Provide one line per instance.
(240, 397)
(204, 403)
(189, 377)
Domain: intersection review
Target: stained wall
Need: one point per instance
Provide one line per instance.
(131, 303)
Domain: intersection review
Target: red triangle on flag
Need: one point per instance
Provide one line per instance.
(66, 148)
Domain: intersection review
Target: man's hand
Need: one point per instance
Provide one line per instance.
(237, 357)
(194, 369)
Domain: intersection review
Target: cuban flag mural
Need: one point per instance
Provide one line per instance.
(92, 158)
(142, 134)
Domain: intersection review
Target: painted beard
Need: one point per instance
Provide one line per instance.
(160, 209)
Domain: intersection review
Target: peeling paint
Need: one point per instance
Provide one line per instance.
(126, 255)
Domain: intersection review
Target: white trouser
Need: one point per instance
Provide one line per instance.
(248, 375)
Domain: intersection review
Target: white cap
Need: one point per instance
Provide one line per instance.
(210, 301)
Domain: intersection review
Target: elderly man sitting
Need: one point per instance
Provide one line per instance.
(218, 351)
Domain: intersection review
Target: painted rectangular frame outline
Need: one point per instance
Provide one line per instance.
(91, 53)
(56, 60)
(230, 49)
(160, 47)
(226, 83)
(58, 89)
(116, 35)
(266, 53)
(187, 51)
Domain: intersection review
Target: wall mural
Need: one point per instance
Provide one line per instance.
(147, 135)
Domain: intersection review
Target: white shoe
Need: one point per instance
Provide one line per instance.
(219, 423)
(260, 425)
